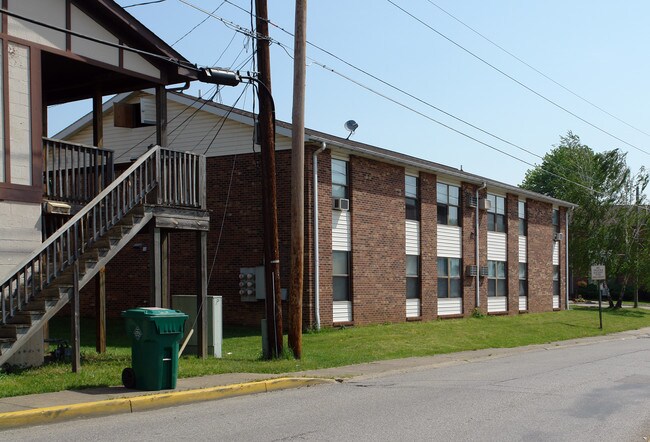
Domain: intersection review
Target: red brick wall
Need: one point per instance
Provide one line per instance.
(540, 256)
(378, 241)
(428, 246)
(378, 244)
(512, 244)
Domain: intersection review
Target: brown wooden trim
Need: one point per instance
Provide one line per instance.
(25, 194)
(36, 111)
(5, 21)
(414, 319)
(83, 59)
(5, 109)
(68, 25)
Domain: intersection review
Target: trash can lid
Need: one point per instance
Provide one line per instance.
(152, 312)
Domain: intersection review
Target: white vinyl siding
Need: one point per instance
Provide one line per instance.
(450, 306)
(20, 233)
(413, 308)
(523, 303)
(50, 11)
(523, 249)
(341, 230)
(234, 138)
(497, 304)
(412, 237)
(449, 241)
(342, 311)
(556, 253)
(2, 131)
(496, 246)
(20, 115)
(136, 63)
(85, 25)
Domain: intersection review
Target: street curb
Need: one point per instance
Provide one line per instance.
(150, 401)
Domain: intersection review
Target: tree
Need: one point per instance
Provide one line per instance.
(607, 225)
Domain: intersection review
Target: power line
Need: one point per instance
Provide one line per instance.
(168, 59)
(197, 25)
(482, 60)
(534, 68)
(143, 3)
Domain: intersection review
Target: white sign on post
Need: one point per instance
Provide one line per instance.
(598, 273)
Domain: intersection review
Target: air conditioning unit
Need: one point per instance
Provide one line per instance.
(483, 271)
(485, 204)
(558, 237)
(470, 270)
(342, 204)
(57, 208)
(471, 200)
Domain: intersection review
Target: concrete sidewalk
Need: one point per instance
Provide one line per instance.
(51, 407)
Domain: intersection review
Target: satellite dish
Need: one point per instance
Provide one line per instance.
(350, 126)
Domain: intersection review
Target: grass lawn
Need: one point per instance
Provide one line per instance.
(327, 348)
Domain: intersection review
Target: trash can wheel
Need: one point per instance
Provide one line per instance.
(128, 377)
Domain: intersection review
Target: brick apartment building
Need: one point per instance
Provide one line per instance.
(397, 238)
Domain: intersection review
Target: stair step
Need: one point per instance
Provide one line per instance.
(6, 343)
(13, 331)
(26, 317)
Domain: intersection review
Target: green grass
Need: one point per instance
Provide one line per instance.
(327, 348)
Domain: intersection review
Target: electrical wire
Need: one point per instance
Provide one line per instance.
(510, 77)
(575, 94)
(185, 64)
(223, 121)
(142, 4)
(197, 25)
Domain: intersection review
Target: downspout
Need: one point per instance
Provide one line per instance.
(315, 215)
(566, 256)
(476, 237)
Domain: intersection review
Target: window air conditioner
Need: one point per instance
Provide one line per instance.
(558, 237)
(342, 204)
(471, 200)
(470, 270)
(485, 204)
(483, 271)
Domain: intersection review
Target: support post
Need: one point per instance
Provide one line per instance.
(155, 298)
(269, 204)
(202, 294)
(165, 295)
(100, 311)
(161, 116)
(75, 330)
(298, 182)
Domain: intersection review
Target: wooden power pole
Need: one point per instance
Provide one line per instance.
(269, 203)
(298, 181)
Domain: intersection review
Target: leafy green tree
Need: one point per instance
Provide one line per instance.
(606, 227)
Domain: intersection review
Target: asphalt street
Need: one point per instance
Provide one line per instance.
(591, 392)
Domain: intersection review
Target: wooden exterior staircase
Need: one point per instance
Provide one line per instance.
(65, 262)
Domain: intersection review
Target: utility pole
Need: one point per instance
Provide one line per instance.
(298, 181)
(269, 203)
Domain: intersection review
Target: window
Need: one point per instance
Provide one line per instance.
(523, 279)
(497, 213)
(523, 224)
(448, 202)
(497, 278)
(341, 276)
(449, 283)
(556, 280)
(412, 276)
(411, 194)
(556, 221)
(339, 178)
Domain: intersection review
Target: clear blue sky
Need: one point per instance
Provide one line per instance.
(595, 48)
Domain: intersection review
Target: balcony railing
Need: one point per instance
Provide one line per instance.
(75, 173)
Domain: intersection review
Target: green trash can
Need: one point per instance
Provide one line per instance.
(155, 333)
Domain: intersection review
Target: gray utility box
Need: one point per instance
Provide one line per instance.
(187, 304)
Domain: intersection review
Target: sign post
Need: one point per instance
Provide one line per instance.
(598, 274)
